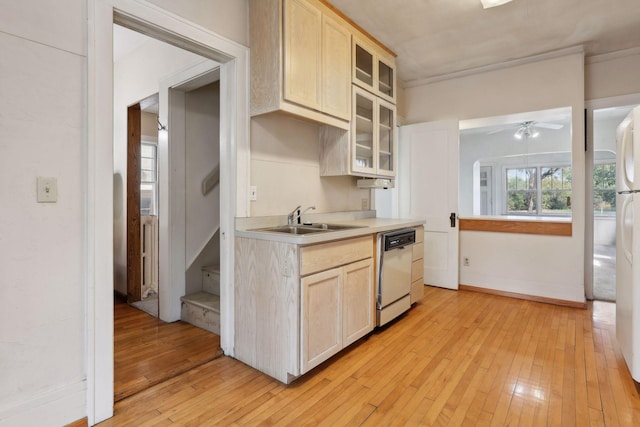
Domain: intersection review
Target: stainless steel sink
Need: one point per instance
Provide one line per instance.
(307, 228)
(331, 227)
(293, 229)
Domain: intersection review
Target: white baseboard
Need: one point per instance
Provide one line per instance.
(52, 408)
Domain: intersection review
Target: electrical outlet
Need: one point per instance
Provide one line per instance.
(286, 268)
(465, 261)
(253, 193)
(365, 204)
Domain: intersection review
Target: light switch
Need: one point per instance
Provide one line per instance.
(47, 190)
(253, 193)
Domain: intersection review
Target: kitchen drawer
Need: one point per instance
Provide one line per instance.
(416, 270)
(419, 234)
(324, 256)
(418, 251)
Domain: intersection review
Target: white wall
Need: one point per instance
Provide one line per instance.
(42, 263)
(136, 77)
(202, 146)
(512, 262)
(286, 170)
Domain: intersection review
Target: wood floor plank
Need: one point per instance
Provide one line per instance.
(148, 351)
(457, 358)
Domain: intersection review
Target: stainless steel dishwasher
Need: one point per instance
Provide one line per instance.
(395, 255)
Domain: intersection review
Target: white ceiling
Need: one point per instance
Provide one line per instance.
(438, 37)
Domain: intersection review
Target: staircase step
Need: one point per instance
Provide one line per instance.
(202, 309)
(211, 279)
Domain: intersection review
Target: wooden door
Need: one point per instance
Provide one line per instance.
(134, 256)
(336, 68)
(358, 301)
(302, 53)
(429, 190)
(320, 317)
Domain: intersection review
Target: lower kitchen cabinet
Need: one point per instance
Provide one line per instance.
(298, 305)
(336, 310)
(321, 317)
(358, 301)
(417, 267)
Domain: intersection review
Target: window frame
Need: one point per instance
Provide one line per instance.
(154, 183)
(538, 189)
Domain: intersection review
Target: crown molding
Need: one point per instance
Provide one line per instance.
(612, 55)
(497, 66)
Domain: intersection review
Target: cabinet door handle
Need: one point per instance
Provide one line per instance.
(452, 218)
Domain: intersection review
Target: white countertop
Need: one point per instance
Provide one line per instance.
(246, 228)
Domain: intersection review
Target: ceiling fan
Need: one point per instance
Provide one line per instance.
(529, 129)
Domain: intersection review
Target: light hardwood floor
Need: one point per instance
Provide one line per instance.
(148, 351)
(457, 358)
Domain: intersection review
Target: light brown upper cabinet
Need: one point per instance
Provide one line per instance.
(373, 69)
(369, 148)
(300, 61)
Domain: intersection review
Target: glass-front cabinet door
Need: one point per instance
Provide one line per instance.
(386, 80)
(373, 135)
(363, 131)
(372, 69)
(386, 138)
(363, 66)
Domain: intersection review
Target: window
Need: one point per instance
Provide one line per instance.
(521, 191)
(556, 190)
(604, 189)
(148, 179)
(540, 190)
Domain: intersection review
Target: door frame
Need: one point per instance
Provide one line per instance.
(590, 106)
(134, 247)
(98, 225)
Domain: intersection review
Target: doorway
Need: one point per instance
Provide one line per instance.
(605, 124)
(234, 129)
(185, 88)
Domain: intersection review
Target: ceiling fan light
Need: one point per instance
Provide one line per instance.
(519, 133)
(492, 3)
(535, 133)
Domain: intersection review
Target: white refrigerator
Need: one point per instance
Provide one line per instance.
(628, 241)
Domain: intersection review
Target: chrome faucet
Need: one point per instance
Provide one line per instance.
(296, 214)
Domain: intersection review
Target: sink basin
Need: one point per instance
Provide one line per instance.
(293, 229)
(331, 227)
(307, 228)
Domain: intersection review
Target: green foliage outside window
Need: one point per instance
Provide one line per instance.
(556, 190)
(604, 189)
(553, 189)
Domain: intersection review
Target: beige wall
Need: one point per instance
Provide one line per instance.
(202, 156)
(512, 262)
(285, 168)
(149, 126)
(612, 75)
(228, 18)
